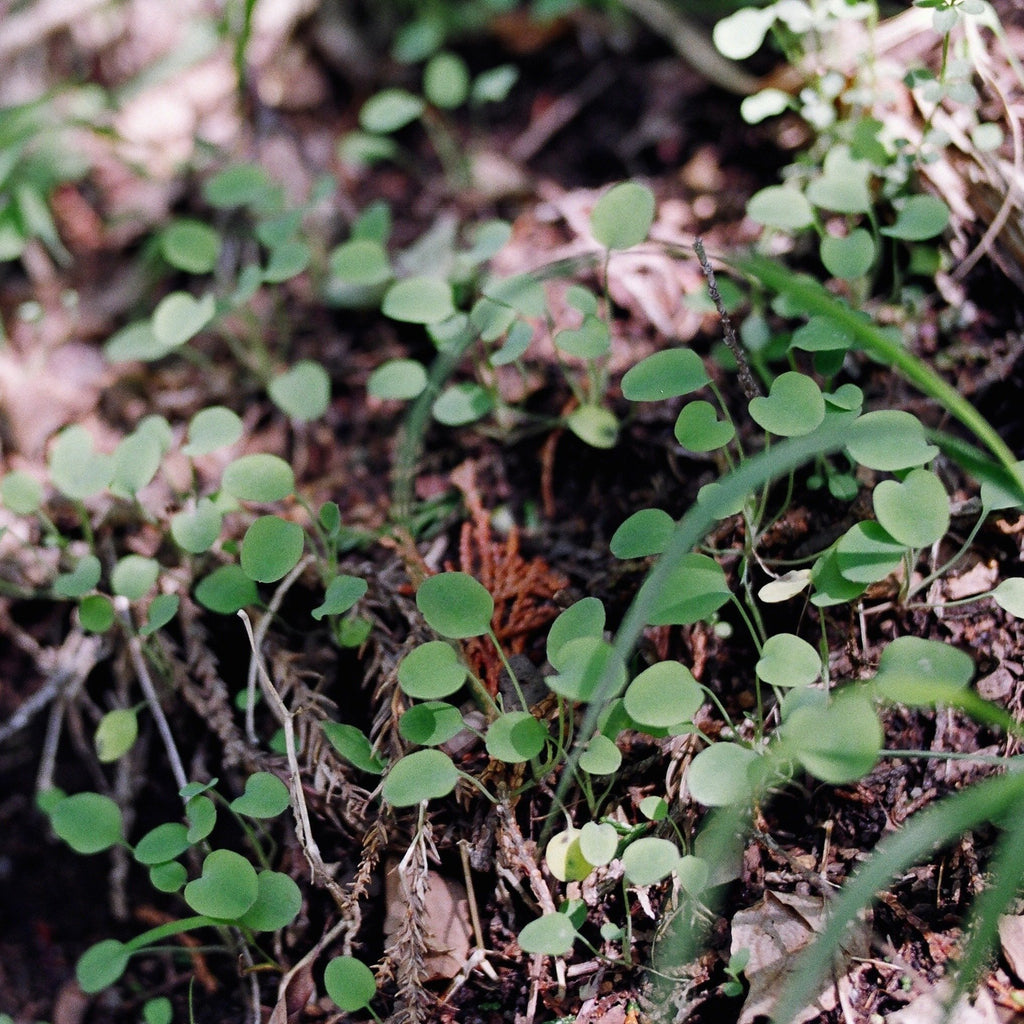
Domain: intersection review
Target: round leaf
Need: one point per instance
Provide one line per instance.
(101, 965)
(431, 670)
(455, 605)
(278, 902)
(782, 207)
(585, 618)
(227, 590)
(161, 610)
(362, 262)
(430, 724)
(190, 246)
(552, 934)
(585, 662)
(911, 668)
(389, 110)
(515, 737)
(83, 578)
(667, 374)
(88, 822)
(793, 407)
(399, 379)
(594, 425)
(226, 889)
(867, 554)
(644, 533)
(1009, 595)
(850, 257)
(196, 529)
(462, 403)
(699, 429)
(265, 796)
(202, 816)
(271, 548)
(21, 493)
(419, 300)
(350, 983)
(788, 660)
(663, 695)
(837, 743)
(916, 511)
(648, 860)
(695, 589)
(162, 844)
(115, 735)
(179, 317)
(564, 857)
(623, 216)
(602, 757)
(134, 576)
(446, 81)
(76, 469)
(303, 392)
(423, 775)
(259, 477)
(96, 613)
(994, 497)
(168, 877)
(843, 185)
(721, 775)
(598, 842)
(889, 440)
(136, 461)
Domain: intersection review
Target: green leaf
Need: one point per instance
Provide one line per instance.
(226, 889)
(914, 511)
(741, 34)
(431, 670)
(919, 218)
(866, 553)
(278, 902)
(623, 216)
(839, 742)
(430, 724)
(821, 334)
(911, 666)
(648, 860)
(419, 300)
(552, 934)
(398, 379)
(271, 548)
(168, 877)
(462, 403)
(287, 260)
(1009, 595)
(782, 207)
(342, 594)
(584, 662)
(83, 578)
(21, 493)
(848, 257)
(77, 470)
(196, 529)
(96, 613)
(843, 185)
(455, 605)
(101, 965)
(115, 735)
(523, 292)
(265, 796)
(211, 429)
(227, 590)
(599, 842)
(353, 746)
(202, 817)
(564, 856)
(446, 81)
(389, 111)
(793, 407)
(699, 429)
(162, 844)
(515, 737)
(663, 695)
(161, 610)
(303, 392)
(158, 1011)
(362, 262)
(601, 757)
(240, 185)
(134, 576)
(423, 775)
(788, 660)
(889, 440)
(696, 589)
(260, 477)
(494, 84)
(646, 532)
(995, 498)
(88, 822)
(190, 246)
(135, 341)
(584, 618)
(594, 425)
(350, 983)
(721, 775)
(589, 341)
(654, 808)
(136, 461)
(179, 317)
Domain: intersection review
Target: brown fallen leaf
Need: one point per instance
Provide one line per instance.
(930, 1008)
(774, 930)
(1011, 939)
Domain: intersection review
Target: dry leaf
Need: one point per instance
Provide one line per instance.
(930, 1008)
(1011, 939)
(776, 928)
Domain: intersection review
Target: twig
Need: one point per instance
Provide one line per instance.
(750, 388)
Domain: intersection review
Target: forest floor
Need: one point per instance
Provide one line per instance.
(595, 104)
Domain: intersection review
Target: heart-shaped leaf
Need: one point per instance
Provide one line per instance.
(303, 392)
(227, 590)
(921, 217)
(866, 553)
(133, 576)
(793, 407)
(721, 775)
(788, 660)
(848, 257)
(265, 796)
(916, 511)
(585, 663)
(601, 756)
(83, 578)
(431, 670)
(589, 341)
(76, 468)
(226, 889)
(695, 589)
(260, 477)
(21, 493)
(646, 532)
(623, 216)
(782, 207)
(837, 743)
(196, 529)
(423, 775)
(515, 737)
(179, 317)
(699, 429)
(552, 934)
(663, 695)
(598, 842)
(890, 440)
(843, 185)
(649, 859)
